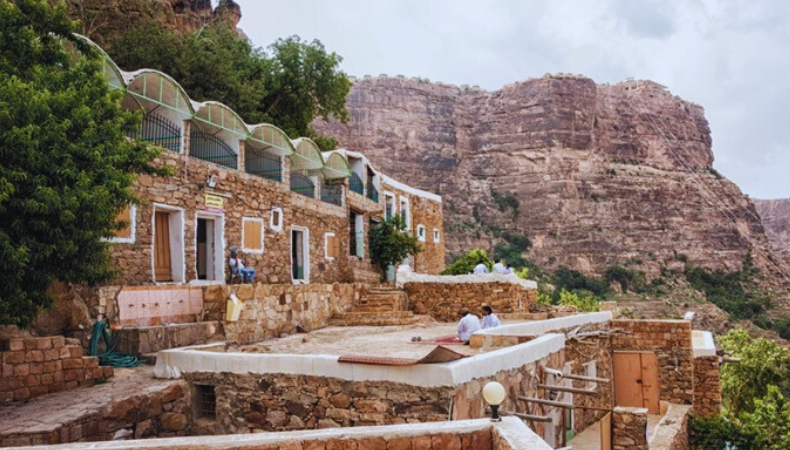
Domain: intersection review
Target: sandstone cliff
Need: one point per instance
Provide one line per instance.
(102, 20)
(776, 220)
(603, 174)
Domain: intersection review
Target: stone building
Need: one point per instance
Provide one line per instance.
(296, 215)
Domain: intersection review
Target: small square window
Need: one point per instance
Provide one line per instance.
(421, 233)
(252, 235)
(331, 246)
(436, 235)
(276, 219)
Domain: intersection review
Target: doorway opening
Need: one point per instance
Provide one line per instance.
(209, 248)
(168, 245)
(636, 380)
(300, 257)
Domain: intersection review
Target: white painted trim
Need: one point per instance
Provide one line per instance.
(278, 227)
(413, 191)
(305, 248)
(263, 232)
(132, 227)
(702, 343)
(413, 277)
(177, 259)
(326, 247)
(540, 327)
(436, 236)
(175, 362)
(421, 228)
(219, 243)
(511, 429)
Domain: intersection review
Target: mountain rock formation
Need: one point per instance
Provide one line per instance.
(102, 20)
(776, 220)
(602, 174)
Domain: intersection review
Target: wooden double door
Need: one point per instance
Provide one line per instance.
(636, 380)
(163, 268)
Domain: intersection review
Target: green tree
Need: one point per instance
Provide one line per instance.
(467, 262)
(390, 243)
(584, 301)
(290, 86)
(770, 420)
(66, 166)
(762, 363)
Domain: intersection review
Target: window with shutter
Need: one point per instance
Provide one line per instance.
(252, 235)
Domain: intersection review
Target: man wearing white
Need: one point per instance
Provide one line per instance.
(480, 269)
(466, 326)
(499, 268)
(490, 320)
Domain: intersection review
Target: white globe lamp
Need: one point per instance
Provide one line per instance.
(494, 394)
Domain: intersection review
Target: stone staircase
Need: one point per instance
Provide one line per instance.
(362, 271)
(379, 306)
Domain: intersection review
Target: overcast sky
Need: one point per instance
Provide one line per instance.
(732, 57)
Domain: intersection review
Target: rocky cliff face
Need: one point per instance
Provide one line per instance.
(776, 220)
(101, 20)
(602, 174)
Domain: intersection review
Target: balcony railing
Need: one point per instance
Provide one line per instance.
(211, 148)
(355, 184)
(160, 131)
(332, 193)
(256, 162)
(302, 185)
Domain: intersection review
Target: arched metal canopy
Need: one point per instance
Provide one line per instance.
(219, 117)
(270, 138)
(307, 155)
(336, 167)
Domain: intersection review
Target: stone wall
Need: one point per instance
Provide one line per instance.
(580, 353)
(150, 412)
(629, 429)
(707, 386)
(671, 433)
(442, 301)
(144, 340)
(671, 341)
(271, 310)
(32, 367)
(276, 402)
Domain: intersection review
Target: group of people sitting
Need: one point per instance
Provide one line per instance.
(237, 268)
(501, 267)
(469, 323)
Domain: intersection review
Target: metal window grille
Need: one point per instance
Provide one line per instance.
(355, 184)
(257, 162)
(211, 148)
(332, 193)
(207, 401)
(302, 185)
(160, 131)
(373, 193)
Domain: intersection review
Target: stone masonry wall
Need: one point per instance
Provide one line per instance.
(428, 213)
(671, 341)
(32, 367)
(578, 354)
(707, 386)
(277, 402)
(629, 429)
(244, 196)
(271, 310)
(442, 301)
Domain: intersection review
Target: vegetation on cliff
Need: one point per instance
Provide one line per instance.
(290, 85)
(66, 166)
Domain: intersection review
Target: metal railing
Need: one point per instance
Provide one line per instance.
(211, 148)
(355, 184)
(332, 193)
(160, 131)
(257, 162)
(302, 185)
(373, 193)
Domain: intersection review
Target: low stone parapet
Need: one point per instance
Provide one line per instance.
(629, 428)
(32, 367)
(671, 433)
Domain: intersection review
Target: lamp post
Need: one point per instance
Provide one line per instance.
(494, 395)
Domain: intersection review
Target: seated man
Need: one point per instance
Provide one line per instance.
(237, 267)
(499, 268)
(466, 326)
(490, 320)
(480, 269)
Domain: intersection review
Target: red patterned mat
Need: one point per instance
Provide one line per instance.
(440, 354)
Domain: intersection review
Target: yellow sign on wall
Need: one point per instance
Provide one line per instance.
(213, 201)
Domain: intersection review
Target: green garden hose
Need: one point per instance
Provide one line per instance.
(110, 357)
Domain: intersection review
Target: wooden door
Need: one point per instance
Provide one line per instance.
(606, 432)
(650, 388)
(163, 270)
(636, 380)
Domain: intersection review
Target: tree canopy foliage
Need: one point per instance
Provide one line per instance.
(390, 244)
(467, 262)
(290, 85)
(66, 166)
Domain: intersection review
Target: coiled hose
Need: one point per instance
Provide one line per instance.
(110, 357)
